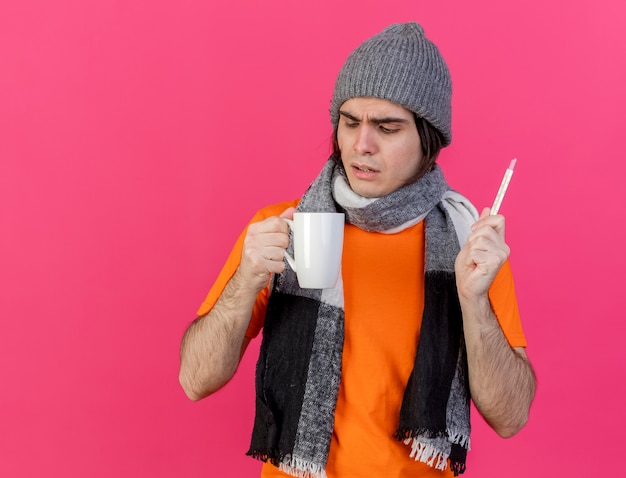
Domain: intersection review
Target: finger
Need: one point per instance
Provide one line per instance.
(487, 259)
(496, 223)
(273, 239)
(490, 245)
(271, 231)
(487, 256)
(275, 254)
(483, 233)
(288, 213)
(272, 224)
(485, 238)
(275, 267)
(262, 262)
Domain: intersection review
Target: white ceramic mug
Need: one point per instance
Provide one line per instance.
(317, 245)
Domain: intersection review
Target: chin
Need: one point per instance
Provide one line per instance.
(368, 193)
(366, 190)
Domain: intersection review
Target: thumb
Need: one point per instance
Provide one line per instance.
(485, 212)
(288, 213)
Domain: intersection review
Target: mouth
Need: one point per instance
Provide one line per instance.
(364, 169)
(364, 173)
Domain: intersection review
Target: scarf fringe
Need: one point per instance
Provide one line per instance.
(264, 456)
(427, 453)
(459, 439)
(457, 467)
(294, 466)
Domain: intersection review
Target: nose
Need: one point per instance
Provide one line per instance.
(364, 142)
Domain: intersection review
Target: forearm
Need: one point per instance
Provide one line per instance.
(502, 381)
(212, 345)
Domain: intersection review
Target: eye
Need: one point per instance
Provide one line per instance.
(351, 124)
(388, 130)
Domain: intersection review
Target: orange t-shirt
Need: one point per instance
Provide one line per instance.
(384, 301)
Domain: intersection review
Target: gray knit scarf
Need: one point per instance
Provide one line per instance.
(299, 366)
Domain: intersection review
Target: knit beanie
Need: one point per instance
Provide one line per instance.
(402, 66)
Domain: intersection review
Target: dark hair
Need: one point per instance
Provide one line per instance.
(430, 139)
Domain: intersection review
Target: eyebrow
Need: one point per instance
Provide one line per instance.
(383, 120)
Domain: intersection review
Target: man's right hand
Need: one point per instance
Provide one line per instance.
(263, 251)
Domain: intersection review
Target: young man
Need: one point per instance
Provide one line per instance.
(374, 377)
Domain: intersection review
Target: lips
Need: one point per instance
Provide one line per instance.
(362, 171)
(364, 168)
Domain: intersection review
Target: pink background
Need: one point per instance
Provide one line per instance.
(137, 138)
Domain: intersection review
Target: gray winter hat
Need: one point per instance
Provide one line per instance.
(402, 66)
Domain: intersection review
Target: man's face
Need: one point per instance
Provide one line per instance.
(380, 146)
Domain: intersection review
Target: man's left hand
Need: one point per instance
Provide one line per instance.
(482, 256)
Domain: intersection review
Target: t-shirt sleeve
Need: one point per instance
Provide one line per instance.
(505, 306)
(230, 267)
